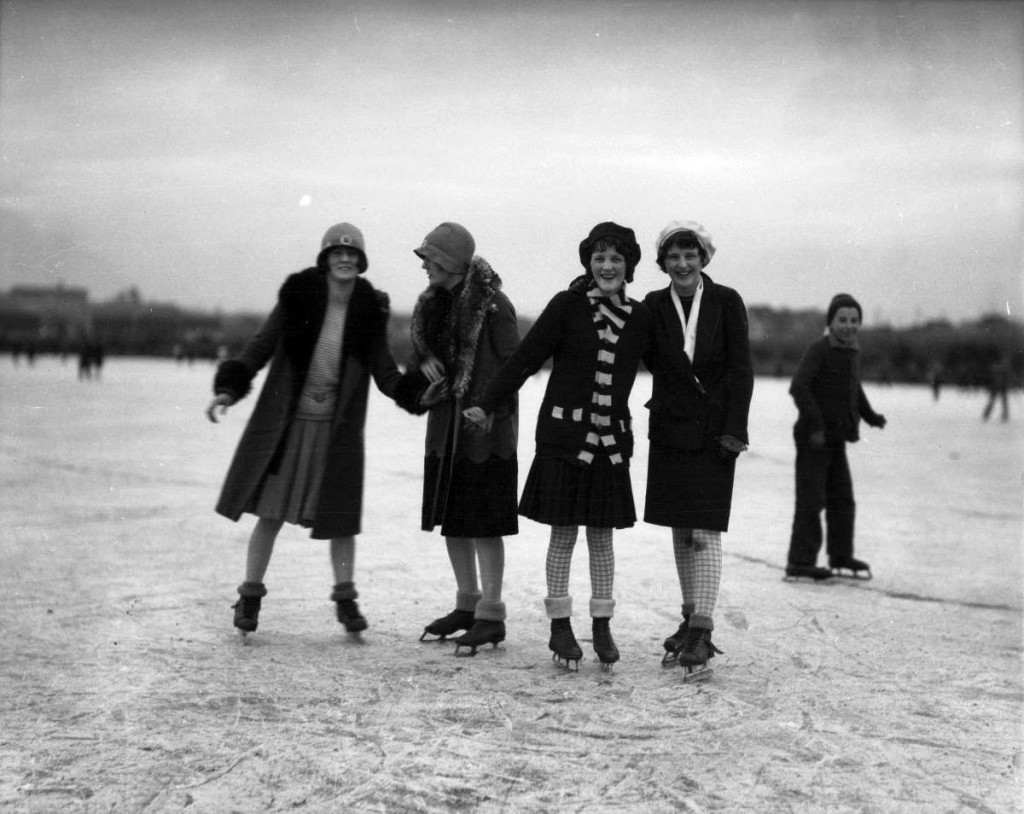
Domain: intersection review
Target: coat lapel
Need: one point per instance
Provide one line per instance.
(707, 322)
(673, 328)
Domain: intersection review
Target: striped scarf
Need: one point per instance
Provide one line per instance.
(610, 315)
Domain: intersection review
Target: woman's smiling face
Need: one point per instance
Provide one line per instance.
(608, 268)
(683, 268)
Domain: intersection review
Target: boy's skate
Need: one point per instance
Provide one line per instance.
(344, 595)
(483, 631)
(795, 572)
(696, 654)
(247, 608)
(604, 645)
(565, 650)
(674, 644)
(850, 568)
(448, 625)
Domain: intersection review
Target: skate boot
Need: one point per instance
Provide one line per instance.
(674, 644)
(850, 567)
(448, 625)
(247, 608)
(795, 572)
(563, 645)
(344, 595)
(604, 646)
(696, 653)
(483, 631)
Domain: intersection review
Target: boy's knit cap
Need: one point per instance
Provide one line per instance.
(842, 301)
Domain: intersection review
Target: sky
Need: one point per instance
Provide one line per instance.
(198, 151)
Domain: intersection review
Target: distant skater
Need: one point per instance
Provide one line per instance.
(702, 385)
(831, 401)
(463, 328)
(301, 457)
(595, 335)
(997, 384)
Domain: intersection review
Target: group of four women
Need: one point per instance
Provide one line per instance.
(300, 459)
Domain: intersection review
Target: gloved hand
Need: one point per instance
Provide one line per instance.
(729, 448)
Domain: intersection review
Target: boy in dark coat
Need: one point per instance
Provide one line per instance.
(831, 401)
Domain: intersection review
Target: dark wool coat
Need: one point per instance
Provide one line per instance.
(472, 331)
(287, 340)
(693, 405)
(828, 394)
(565, 333)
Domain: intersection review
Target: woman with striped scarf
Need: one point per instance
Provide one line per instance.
(595, 336)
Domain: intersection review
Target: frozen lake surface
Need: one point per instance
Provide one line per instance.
(124, 687)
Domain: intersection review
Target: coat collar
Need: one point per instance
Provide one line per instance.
(707, 324)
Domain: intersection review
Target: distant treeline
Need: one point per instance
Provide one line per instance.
(961, 354)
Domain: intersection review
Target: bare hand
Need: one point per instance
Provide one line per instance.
(221, 400)
(437, 392)
(432, 368)
(478, 420)
(732, 444)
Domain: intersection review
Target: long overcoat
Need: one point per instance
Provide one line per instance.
(693, 404)
(478, 331)
(287, 340)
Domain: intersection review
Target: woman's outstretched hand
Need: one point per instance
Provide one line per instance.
(435, 393)
(221, 400)
(477, 420)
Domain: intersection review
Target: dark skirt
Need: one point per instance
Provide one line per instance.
(558, 493)
(689, 489)
(480, 500)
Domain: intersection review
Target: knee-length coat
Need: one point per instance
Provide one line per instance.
(689, 482)
(472, 331)
(287, 340)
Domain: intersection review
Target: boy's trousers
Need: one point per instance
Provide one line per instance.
(822, 482)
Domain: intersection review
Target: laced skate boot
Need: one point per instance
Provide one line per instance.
(448, 625)
(674, 644)
(344, 595)
(795, 571)
(696, 653)
(483, 631)
(563, 645)
(850, 567)
(604, 646)
(247, 608)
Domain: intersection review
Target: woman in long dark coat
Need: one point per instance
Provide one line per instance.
(702, 384)
(301, 457)
(595, 336)
(463, 329)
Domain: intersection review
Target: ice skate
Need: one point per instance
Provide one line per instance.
(850, 568)
(344, 596)
(447, 626)
(674, 644)
(796, 572)
(565, 650)
(483, 631)
(247, 608)
(604, 645)
(696, 654)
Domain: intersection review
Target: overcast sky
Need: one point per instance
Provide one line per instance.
(199, 150)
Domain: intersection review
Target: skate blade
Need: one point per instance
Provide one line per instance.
(473, 649)
(670, 659)
(697, 673)
(859, 576)
(567, 664)
(823, 581)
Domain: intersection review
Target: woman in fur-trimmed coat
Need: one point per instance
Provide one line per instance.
(301, 457)
(463, 329)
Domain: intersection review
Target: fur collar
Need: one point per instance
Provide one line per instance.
(447, 325)
(303, 302)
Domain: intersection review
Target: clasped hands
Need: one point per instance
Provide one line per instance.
(440, 390)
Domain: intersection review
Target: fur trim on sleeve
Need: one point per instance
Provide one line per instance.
(233, 378)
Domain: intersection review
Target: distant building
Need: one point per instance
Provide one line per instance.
(45, 313)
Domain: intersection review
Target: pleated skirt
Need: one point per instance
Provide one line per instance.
(291, 493)
(558, 493)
